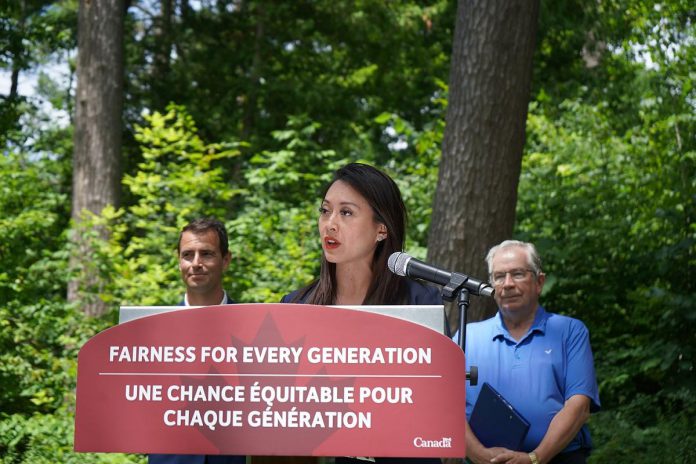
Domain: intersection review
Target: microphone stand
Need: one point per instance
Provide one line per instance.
(456, 288)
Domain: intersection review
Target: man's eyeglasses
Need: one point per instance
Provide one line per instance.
(517, 275)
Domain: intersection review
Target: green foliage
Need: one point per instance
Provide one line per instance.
(583, 199)
(243, 71)
(179, 179)
(274, 236)
(607, 193)
(47, 439)
(28, 234)
(31, 32)
(39, 333)
(413, 164)
(666, 438)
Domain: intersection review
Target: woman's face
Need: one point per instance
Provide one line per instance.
(348, 231)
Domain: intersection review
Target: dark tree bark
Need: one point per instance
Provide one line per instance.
(98, 132)
(16, 50)
(161, 69)
(490, 81)
(250, 103)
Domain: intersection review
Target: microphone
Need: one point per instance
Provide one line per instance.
(408, 266)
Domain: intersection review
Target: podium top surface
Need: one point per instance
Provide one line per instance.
(431, 316)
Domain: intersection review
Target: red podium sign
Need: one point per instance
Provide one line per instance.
(271, 379)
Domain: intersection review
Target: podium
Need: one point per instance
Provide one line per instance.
(431, 316)
(273, 380)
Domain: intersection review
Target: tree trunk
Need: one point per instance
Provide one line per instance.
(16, 50)
(161, 79)
(490, 79)
(250, 103)
(98, 131)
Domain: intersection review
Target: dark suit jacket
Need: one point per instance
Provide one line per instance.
(418, 294)
(195, 458)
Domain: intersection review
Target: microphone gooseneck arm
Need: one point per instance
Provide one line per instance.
(455, 286)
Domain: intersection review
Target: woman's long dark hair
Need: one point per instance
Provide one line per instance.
(383, 195)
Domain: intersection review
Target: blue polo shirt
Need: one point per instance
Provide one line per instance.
(551, 363)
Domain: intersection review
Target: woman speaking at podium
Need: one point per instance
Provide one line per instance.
(362, 221)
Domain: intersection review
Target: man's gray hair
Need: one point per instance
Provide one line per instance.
(533, 259)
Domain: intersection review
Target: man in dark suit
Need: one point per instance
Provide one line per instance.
(204, 256)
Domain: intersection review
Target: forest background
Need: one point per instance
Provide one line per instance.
(241, 110)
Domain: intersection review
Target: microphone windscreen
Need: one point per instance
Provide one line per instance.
(398, 263)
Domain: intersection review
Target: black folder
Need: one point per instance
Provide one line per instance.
(495, 422)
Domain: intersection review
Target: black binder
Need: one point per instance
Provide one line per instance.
(495, 422)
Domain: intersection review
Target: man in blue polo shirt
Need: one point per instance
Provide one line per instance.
(540, 362)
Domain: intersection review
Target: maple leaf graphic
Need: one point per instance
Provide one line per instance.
(292, 441)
